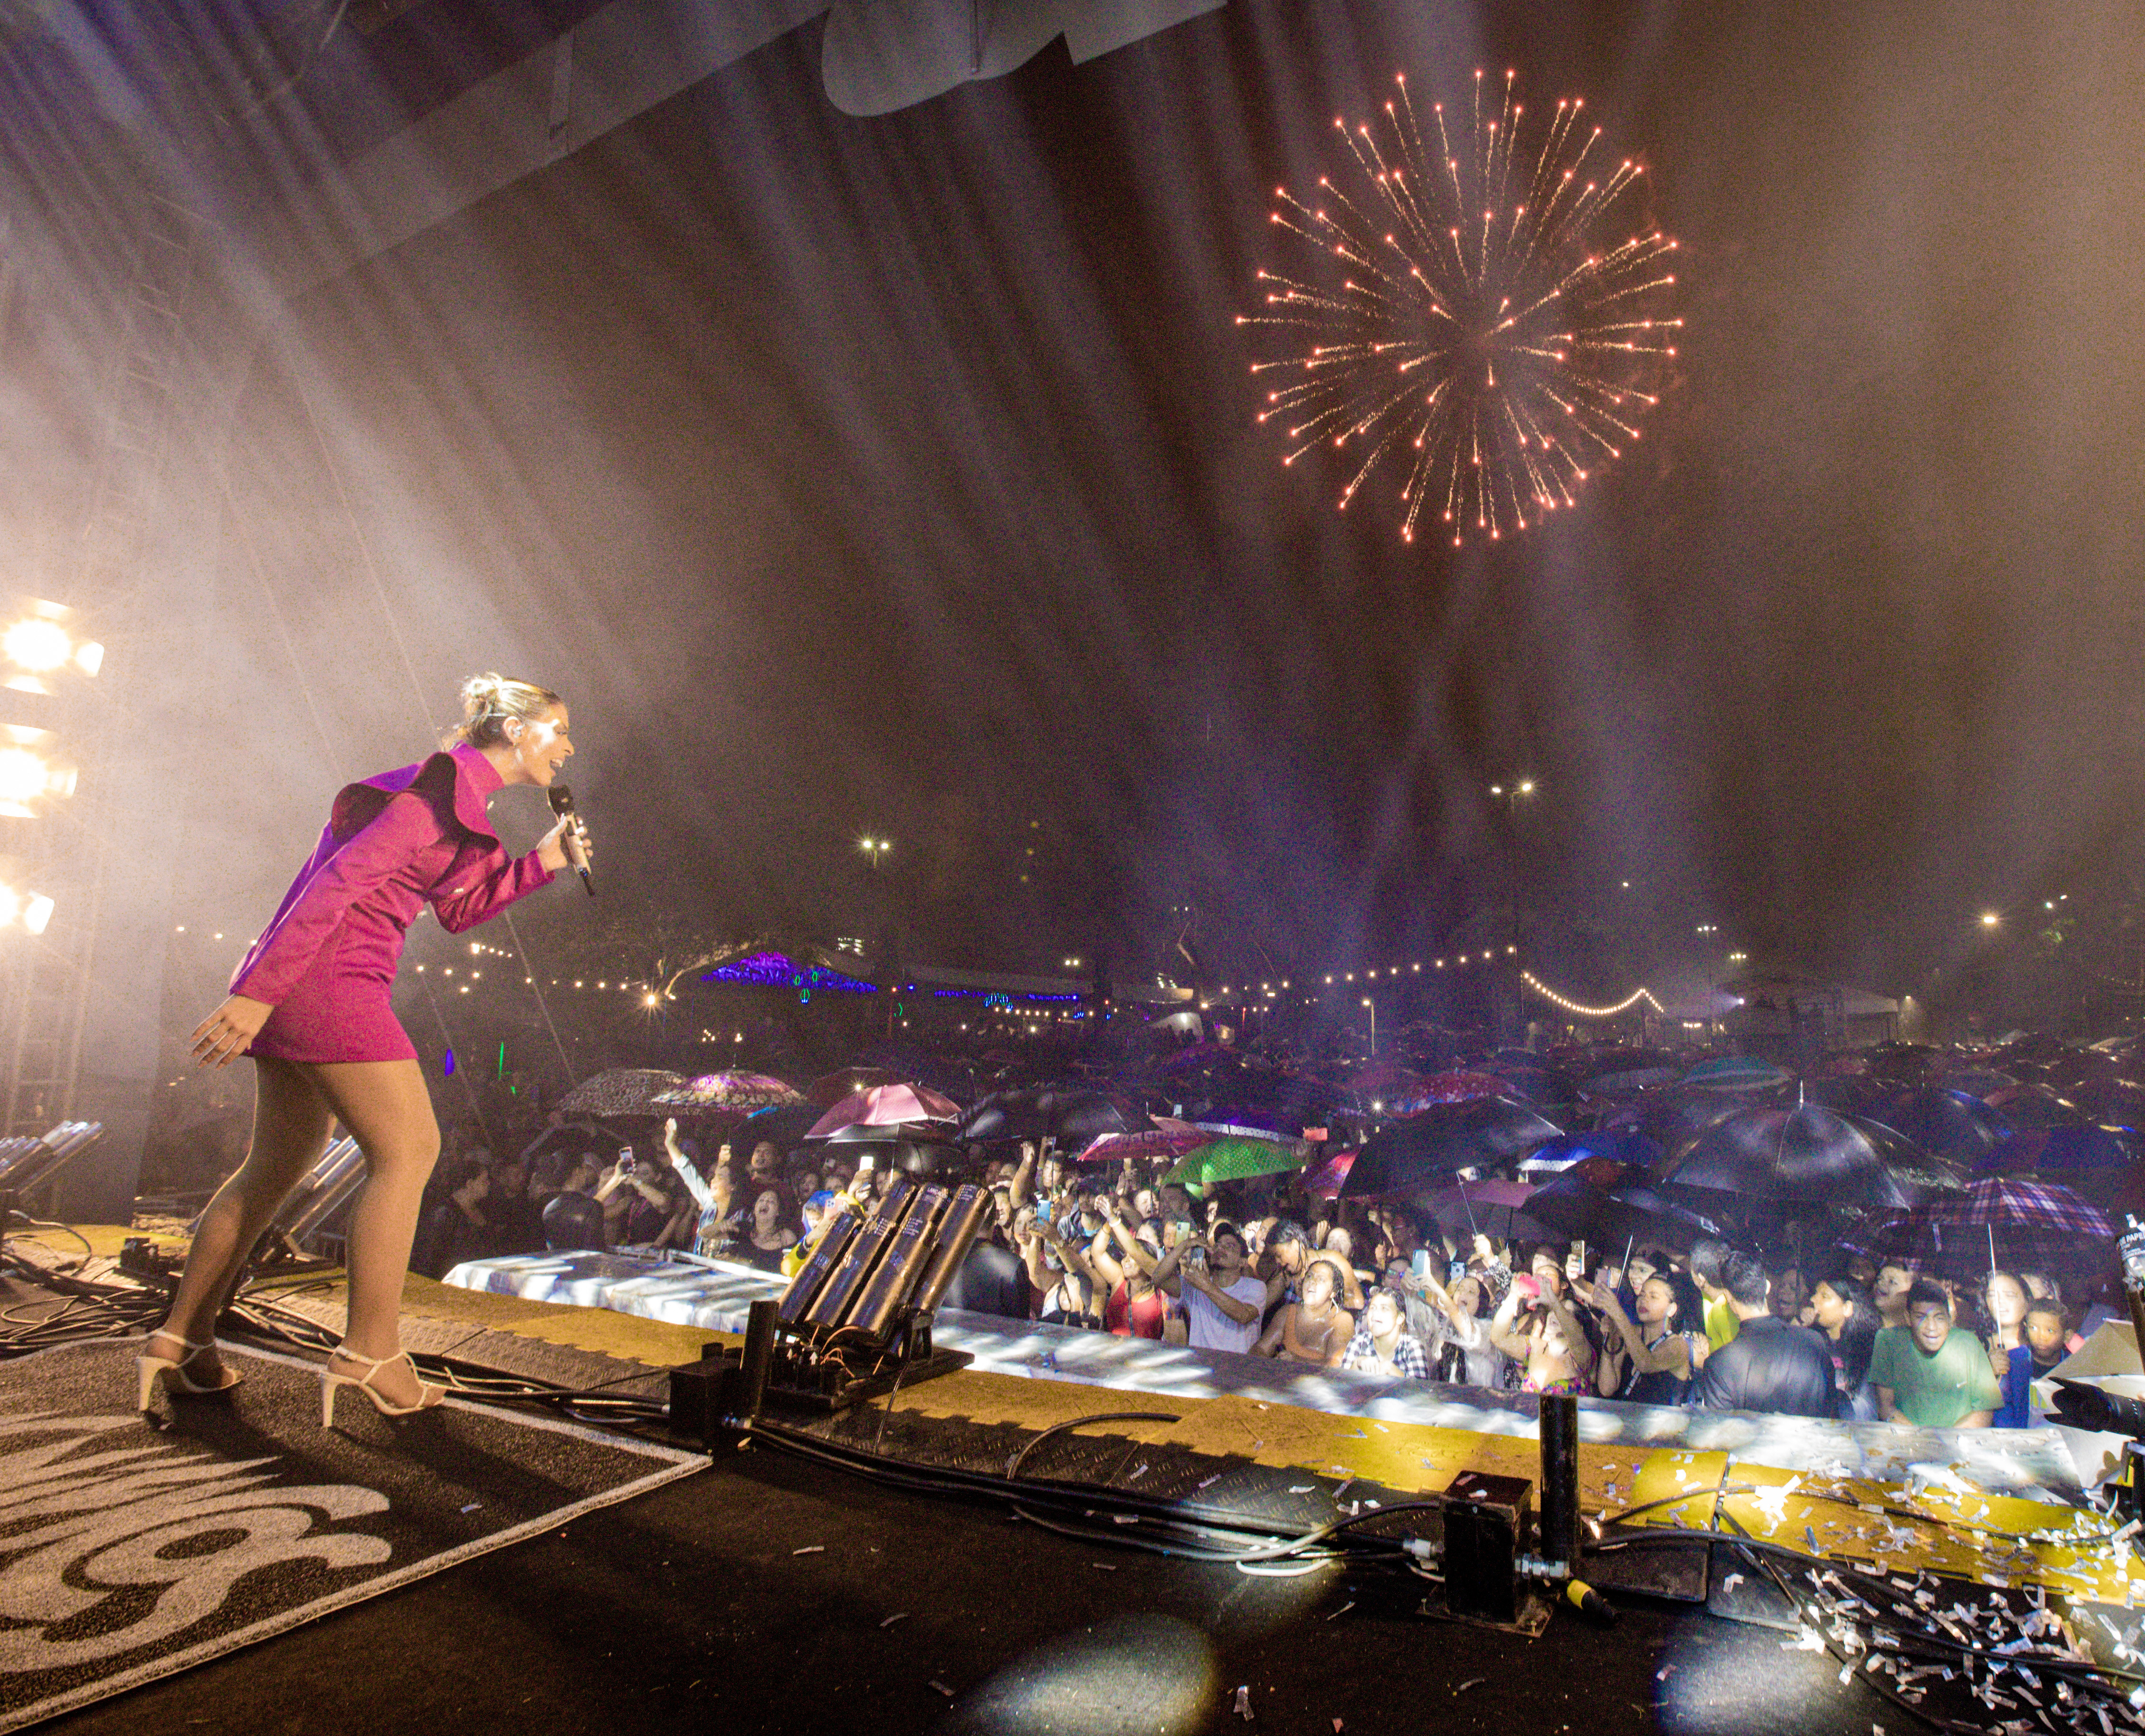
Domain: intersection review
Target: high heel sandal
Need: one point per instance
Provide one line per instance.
(331, 1383)
(172, 1371)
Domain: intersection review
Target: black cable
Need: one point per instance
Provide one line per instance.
(1020, 1458)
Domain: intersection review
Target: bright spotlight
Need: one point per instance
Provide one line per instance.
(39, 646)
(1990, 919)
(24, 776)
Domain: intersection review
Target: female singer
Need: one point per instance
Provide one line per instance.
(311, 1003)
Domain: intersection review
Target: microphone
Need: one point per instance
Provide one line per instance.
(561, 799)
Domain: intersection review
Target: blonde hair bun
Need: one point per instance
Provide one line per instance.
(489, 701)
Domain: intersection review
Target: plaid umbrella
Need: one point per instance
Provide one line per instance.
(623, 1091)
(2004, 1221)
(727, 1091)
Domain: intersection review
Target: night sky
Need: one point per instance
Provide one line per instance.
(898, 476)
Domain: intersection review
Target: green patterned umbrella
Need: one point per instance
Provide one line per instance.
(1233, 1158)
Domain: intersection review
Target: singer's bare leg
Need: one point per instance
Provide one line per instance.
(387, 1108)
(290, 1122)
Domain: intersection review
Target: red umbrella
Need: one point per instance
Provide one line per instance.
(1169, 1138)
(885, 1106)
(1322, 1180)
(831, 1088)
(1386, 1079)
(1449, 1088)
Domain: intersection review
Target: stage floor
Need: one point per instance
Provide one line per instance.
(777, 1594)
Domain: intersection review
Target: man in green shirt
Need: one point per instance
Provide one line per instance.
(1929, 1372)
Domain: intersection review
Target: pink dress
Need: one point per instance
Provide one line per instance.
(393, 844)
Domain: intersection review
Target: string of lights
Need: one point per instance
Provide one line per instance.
(1577, 1011)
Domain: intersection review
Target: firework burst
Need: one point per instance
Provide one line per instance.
(1483, 321)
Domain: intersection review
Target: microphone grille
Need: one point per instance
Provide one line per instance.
(561, 798)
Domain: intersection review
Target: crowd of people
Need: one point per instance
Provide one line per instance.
(1257, 1267)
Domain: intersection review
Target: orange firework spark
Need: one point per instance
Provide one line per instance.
(1479, 319)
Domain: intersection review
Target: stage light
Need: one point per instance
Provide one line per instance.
(27, 777)
(1990, 919)
(37, 644)
(651, 1000)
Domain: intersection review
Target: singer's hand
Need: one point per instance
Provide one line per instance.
(225, 1034)
(565, 845)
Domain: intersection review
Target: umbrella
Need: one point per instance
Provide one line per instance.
(1538, 1084)
(2034, 1106)
(1472, 1205)
(1167, 1138)
(727, 1091)
(1235, 1160)
(2002, 1221)
(1384, 1079)
(1737, 1072)
(2121, 1101)
(1806, 1156)
(1071, 1117)
(1434, 1147)
(1976, 1082)
(1448, 1088)
(1672, 1115)
(1850, 1093)
(1950, 1123)
(2068, 1148)
(912, 1152)
(1903, 1063)
(1324, 1179)
(831, 1088)
(783, 1127)
(1614, 1205)
(1626, 1146)
(884, 1105)
(622, 1091)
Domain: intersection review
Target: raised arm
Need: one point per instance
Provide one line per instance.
(1672, 1358)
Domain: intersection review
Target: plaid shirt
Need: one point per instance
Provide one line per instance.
(1361, 1356)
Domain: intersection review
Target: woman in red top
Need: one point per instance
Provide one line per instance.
(311, 1003)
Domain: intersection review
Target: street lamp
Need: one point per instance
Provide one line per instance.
(876, 848)
(1373, 1006)
(1510, 796)
(1991, 919)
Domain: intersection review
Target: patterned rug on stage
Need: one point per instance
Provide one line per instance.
(129, 1551)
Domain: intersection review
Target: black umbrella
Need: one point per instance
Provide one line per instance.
(1947, 1123)
(1428, 1150)
(1072, 1118)
(1614, 1205)
(783, 1127)
(1672, 1115)
(1803, 1155)
(908, 1152)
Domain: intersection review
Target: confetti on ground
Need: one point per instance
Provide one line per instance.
(1242, 1708)
(942, 1688)
(890, 1620)
(1341, 1612)
(1471, 1682)
(811, 1549)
